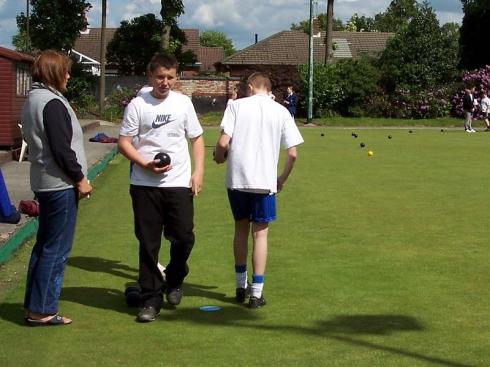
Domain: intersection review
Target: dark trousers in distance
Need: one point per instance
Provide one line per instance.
(169, 211)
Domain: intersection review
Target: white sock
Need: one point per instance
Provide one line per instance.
(162, 270)
(257, 289)
(241, 280)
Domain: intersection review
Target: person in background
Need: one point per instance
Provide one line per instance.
(58, 176)
(242, 90)
(291, 101)
(485, 109)
(231, 97)
(468, 108)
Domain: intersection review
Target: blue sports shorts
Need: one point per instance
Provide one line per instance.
(258, 208)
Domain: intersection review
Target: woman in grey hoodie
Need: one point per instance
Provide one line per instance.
(58, 178)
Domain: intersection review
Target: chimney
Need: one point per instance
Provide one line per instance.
(256, 38)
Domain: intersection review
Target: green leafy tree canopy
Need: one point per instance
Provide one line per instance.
(217, 39)
(397, 15)
(418, 58)
(304, 25)
(136, 41)
(473, 51)
(52, 24)
(170, 11)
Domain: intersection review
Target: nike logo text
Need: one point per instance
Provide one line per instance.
(161, 120)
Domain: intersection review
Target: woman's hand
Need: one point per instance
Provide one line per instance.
(84, 188)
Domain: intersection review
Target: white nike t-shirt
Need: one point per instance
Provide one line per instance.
(161, 126)
(258, 127)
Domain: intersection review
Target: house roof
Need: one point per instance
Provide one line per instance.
(193, 44)
(208, 56)
(88, 44)
(15, 55)
(291, 48)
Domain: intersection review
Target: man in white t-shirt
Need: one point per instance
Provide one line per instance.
(161, 122)
(253, 130)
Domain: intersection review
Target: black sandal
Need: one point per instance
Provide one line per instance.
(53, 321)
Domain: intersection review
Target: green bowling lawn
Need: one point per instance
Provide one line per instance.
(373, 261)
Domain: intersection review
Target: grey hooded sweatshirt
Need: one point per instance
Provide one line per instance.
(55, 140)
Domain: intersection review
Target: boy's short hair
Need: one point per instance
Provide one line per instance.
(260, 80)
(50, 67)
(166, 61)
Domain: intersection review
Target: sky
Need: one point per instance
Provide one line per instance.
(240, 20)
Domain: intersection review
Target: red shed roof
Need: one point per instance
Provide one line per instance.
(15, 55)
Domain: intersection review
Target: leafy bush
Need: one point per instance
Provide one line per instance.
(117, 102)
(358, 81)
(80, 90)
(343, 87)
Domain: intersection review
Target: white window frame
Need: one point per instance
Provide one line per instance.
(23, 79)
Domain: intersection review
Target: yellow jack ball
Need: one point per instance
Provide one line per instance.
(370, 153)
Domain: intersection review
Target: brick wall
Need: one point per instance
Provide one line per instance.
(195, 86)
(207, 93)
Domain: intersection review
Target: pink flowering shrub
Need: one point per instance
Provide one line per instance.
(480, 79)
(407, 104)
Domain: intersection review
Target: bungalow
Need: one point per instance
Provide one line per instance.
(87, 52)
(290, 48)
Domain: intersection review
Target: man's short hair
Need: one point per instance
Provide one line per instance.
(166, 61)
(260, 80)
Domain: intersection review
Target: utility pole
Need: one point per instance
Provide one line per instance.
(102, 59)
(309, 118)
(28, 37)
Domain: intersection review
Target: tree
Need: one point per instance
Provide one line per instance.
(397, 16)
(328, 33)
(417, 58)
(473, 52)
(53, 24)
(304, 25)
(360, 24)
(136, 41)
(450, 35)
(170, 11)
(22, 42)
(217, 39)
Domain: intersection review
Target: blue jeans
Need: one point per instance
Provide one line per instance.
(57, 217)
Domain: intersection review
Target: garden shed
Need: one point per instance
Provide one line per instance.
(15, 82)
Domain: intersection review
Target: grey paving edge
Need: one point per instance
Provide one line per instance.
(29, 229)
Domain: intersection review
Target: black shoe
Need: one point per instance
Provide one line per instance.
(147, 314)
(132, 296)
(242, 293)
(174, 295)
(255, 302)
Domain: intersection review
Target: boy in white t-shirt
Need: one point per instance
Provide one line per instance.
(485, 109)
(162, 197)
(259, 127)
